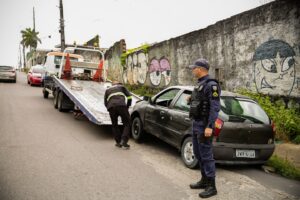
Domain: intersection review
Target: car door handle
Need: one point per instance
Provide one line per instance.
(162, 112)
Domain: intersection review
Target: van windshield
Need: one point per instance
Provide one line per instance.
(57, 59)
(243, 110)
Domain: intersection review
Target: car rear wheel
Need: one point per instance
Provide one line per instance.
(137, 131)
(187, 153)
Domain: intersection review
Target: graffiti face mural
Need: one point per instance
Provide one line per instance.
(160, 70)
(274, 68)
(136, 70)
(154, 70)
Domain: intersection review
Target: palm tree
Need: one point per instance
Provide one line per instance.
(29, 39)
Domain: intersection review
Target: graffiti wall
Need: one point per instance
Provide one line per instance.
(258, 50)
(138, 69)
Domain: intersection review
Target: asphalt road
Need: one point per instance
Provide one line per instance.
(45, 154)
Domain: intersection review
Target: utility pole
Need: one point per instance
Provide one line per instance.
(33, 19)
(62, 26)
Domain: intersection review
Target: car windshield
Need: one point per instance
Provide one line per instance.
(243, 110)
(6, 68)
(57, 59)
(38, 70)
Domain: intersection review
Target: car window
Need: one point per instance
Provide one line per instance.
(243, 110)
(181, 103)
(4, 68)
(57, 59)
(166, 98)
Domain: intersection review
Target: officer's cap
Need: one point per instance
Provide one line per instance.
(201, 62)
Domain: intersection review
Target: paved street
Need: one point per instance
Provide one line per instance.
(45, 154)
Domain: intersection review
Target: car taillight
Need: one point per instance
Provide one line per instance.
(218, 126)
(273, 127)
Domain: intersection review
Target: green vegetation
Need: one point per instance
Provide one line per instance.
(143, 90)
(30, 38)
(287, 120)
(284, 167)
(143, 48)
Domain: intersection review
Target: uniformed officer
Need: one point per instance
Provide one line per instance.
(115, 102)
(204, 108)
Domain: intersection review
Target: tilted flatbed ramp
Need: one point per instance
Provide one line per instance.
(88, 96)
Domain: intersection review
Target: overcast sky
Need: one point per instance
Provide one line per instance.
(136, 21)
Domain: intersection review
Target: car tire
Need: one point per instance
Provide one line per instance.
(55, 98)
(187, 154)
(137, 131)
(45, 94)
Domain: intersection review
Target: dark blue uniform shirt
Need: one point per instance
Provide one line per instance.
(212, 91)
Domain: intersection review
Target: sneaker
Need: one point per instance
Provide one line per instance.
(118, 145)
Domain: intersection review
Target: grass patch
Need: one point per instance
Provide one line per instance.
(284, 167)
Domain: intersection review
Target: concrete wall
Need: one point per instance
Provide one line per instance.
(258, 49)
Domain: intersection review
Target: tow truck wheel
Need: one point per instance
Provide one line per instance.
(45, 94)
(60, 101)
(187, 153)
(55, 95)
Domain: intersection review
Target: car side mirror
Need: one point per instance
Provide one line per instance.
(148, 99)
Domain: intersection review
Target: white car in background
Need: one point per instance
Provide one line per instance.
(8, 73)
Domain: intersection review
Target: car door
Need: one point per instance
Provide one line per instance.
(157, 113)
(179, 123)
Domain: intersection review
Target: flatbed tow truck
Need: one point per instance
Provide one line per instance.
(80, 87)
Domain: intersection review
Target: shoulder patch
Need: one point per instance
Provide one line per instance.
(215, 92)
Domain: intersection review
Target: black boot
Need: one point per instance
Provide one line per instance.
(210, 190)
(200, 184)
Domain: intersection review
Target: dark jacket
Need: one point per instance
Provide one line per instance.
(116, 95)
(210, 92)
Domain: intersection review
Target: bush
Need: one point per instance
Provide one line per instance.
(143, 90)
(284, 167)
(287, 120)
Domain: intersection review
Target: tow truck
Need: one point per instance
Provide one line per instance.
(80, 86)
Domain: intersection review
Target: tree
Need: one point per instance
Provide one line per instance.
(30, 38)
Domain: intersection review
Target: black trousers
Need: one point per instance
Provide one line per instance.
(114, 113)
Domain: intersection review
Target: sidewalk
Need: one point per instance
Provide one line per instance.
(290, 152)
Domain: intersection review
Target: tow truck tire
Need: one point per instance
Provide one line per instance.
(45, 94)
(137, 130)
(55, 95)
(60, 101)
(187, 153)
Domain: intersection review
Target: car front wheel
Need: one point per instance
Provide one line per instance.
(187, 153)
(137, 129)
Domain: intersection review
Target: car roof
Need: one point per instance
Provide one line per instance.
(224, 93)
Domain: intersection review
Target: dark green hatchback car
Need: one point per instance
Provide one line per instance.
(244, 133)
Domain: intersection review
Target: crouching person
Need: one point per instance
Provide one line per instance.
(116, 104)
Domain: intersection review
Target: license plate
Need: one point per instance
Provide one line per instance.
(245, 153)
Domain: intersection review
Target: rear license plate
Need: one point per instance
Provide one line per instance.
(245, 153)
